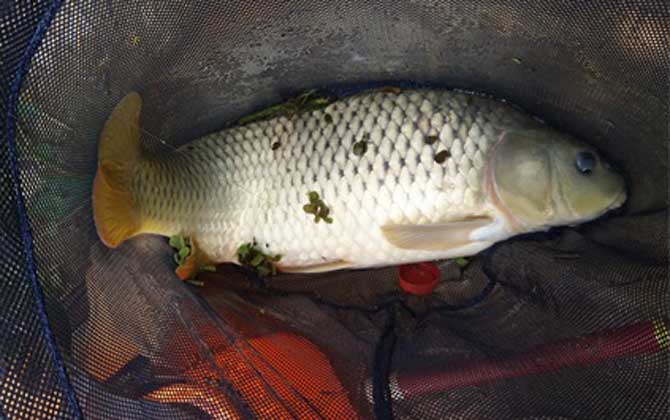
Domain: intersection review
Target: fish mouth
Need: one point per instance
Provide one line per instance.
(618, 200)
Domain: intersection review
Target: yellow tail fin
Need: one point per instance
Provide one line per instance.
(114, 212)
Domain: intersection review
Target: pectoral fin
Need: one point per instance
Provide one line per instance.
(435, 237)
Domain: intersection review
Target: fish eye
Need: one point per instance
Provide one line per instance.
(585, 162)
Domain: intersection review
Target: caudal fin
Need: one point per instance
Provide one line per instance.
(119, 152)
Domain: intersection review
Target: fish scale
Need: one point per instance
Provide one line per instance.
(238, 189)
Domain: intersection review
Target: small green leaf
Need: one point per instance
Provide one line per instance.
(317, 207)
(243, 252)
(461, 262)
(254, 258)
(184, 252)
(177, 241)
(209, 268)
(307, 95)
(257, 260)
(328, 220)
(177, 259)
(321, 101)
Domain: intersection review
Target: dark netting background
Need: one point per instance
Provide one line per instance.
(571, 324)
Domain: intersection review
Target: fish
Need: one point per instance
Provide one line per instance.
(378, 178)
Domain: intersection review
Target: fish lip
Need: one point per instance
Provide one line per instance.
(618, 200)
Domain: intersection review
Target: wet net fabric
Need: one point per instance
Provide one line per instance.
(569, 324)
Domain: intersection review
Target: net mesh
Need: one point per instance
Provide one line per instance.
(569, 324)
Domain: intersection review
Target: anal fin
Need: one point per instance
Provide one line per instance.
(316, 268)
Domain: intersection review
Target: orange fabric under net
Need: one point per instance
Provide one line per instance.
(281, 375)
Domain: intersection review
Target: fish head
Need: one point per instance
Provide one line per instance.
(543, 178)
